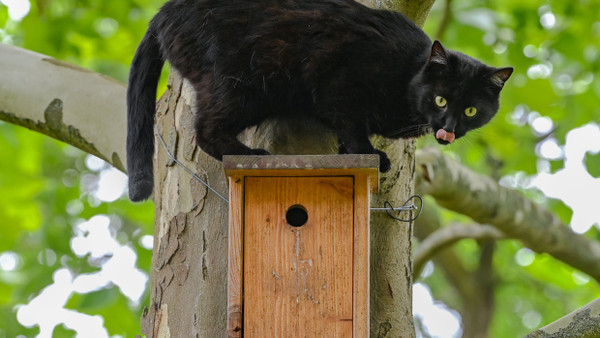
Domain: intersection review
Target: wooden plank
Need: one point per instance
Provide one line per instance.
(361, 308)
(235, 258)
(344, 161)
(298, 280)
(329, 244)
(271, 309)
(304, 165)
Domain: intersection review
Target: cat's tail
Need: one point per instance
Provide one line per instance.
(141, 109)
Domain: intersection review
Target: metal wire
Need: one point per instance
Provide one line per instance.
(188, 170)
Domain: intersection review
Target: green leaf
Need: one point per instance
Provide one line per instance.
(592, 164)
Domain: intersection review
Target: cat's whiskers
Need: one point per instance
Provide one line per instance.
(416, 130)
(406, 130)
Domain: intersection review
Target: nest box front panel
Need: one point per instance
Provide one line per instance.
(298, 256)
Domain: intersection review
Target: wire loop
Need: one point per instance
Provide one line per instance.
(407, 206)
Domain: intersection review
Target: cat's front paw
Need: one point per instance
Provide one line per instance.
(384, 162)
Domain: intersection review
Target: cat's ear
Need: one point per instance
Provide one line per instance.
(500, 76)
(438, 54)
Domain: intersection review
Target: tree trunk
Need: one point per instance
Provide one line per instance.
(189, 263)
(189, 268)
(188, 279)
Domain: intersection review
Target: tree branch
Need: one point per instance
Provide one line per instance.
(447, 236)
(428, 223)
(458, 188)
(64, 101)
(417, 11)
(583, 322)
(445, 20)
(474, 296)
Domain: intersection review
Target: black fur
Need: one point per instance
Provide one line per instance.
(357, 70)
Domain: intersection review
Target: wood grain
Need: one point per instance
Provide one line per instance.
(235, 257)
(361, 256)
(298, 281)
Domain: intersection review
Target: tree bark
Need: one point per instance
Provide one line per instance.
(189, 262)
(583, 322)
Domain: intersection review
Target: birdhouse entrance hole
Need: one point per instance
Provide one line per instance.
(296, 215)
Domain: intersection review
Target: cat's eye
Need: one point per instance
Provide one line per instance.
(471, 111)
(440, 101)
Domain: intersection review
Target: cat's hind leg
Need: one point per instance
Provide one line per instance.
(218, 123)
(218, 137)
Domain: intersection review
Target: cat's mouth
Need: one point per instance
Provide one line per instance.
(444, 137)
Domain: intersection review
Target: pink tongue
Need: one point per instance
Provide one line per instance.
(444, 135)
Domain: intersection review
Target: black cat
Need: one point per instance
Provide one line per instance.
(357, 70)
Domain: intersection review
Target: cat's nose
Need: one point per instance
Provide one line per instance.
(449, 123)
(449, 126)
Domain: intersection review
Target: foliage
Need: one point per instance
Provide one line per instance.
(553, 45)
(47, 188)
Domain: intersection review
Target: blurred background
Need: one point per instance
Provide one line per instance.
(75, 253)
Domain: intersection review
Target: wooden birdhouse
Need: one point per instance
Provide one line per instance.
(299, 245)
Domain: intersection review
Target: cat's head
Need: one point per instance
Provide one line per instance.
(457, 93)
